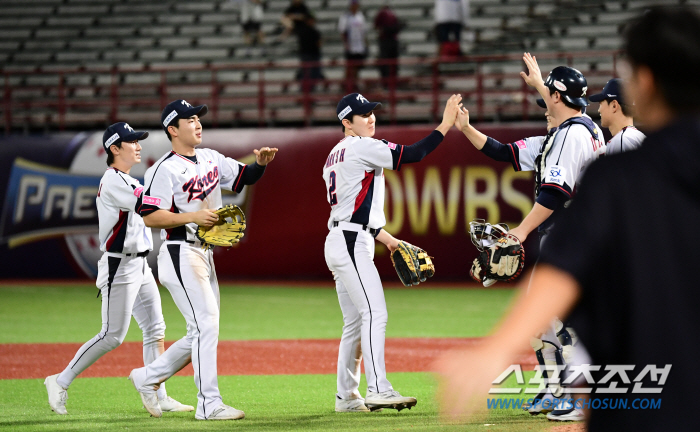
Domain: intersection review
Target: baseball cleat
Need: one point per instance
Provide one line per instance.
(571, 414)
(350, 405)
(171, 405)
(389, 399)
(148, 396)
(224, 412)
(541, 407)
(58, 396)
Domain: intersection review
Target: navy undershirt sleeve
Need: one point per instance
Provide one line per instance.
(551, 198)
(252, 173)
(417, 151)
(497, 151)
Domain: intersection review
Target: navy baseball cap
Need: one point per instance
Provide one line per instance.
(121, 132)
(180, 109)
(611, 91)
(353, 104)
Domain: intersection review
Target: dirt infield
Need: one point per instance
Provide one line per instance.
(271, 357)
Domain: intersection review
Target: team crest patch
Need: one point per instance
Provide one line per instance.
(137, 191)
(521, 144)
(391, 145)
(555, 174)
(151, 200)
(559, 85)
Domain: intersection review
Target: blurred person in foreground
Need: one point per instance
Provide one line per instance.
(612, 260)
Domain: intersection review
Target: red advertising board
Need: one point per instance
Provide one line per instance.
(49, 201)
(428, 204)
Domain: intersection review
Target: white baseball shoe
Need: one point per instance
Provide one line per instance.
(389, 399)
(350, 405)
(224, 412)
(171, 405)
(571, 414)
(58, 396)
(541, 407)
(148, 396)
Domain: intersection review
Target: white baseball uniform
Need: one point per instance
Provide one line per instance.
(354, 177)
(629, 138)
(180, 184)
(124, 277)
(560, 158)
(559, 161)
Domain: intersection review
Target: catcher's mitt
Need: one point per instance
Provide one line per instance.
(501, 257)
(223, 232)
(412, 264)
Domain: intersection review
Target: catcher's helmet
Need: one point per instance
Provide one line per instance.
(570, 83)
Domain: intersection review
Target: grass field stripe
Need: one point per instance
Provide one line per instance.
(174, 251)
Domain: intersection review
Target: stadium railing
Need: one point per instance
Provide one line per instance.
(272, 93)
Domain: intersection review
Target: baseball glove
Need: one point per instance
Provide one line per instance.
(223, 232)
(412, 264)
(501, 257)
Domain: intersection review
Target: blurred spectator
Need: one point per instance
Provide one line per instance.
(353, 29)
(450, 17)
(388, 27)
(294, 17)
(251, 20)
(309, 51)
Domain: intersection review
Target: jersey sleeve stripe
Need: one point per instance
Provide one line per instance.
(148, 190)
(238, 179)
(398, 164)
(516, 162)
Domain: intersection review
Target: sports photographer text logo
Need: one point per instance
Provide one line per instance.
(607, 384)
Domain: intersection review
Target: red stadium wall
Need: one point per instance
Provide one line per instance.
(429, 204)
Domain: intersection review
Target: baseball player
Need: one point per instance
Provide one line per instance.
(615, 115)
(182, 189)
(354, 178)
(124, 277)
(559, 159)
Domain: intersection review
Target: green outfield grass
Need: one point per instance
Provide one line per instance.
(271, 403)
(35, 314)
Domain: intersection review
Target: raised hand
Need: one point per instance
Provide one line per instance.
(451, 108)
(534, 76)
(462, 121)
(265, 155)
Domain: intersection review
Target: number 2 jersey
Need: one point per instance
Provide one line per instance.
(182, 184)
(354, 177)
(121, 228)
